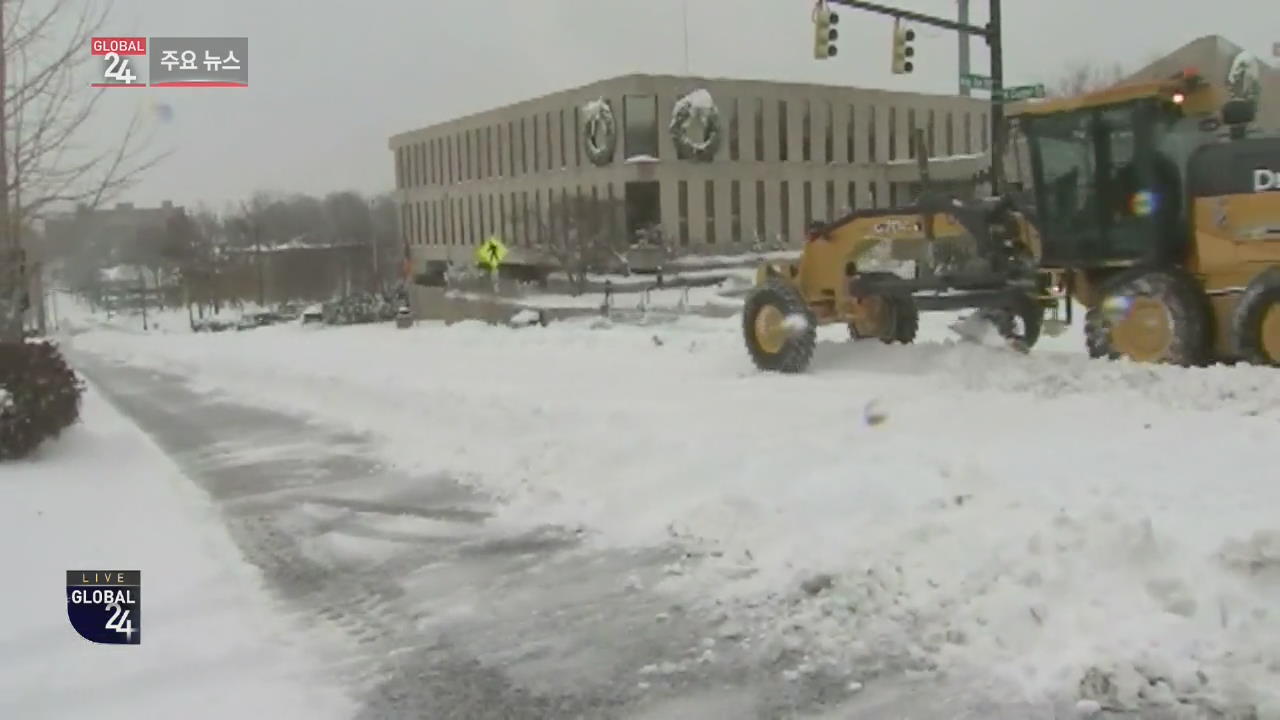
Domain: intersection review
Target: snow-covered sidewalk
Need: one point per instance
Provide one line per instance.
(103, 497)
(1045, 519)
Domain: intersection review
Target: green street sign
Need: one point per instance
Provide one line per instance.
(975, 82)
(1022, 92)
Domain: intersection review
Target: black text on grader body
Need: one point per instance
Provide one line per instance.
(1163, 226)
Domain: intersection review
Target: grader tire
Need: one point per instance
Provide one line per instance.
(779, 328)
(906, 320)
(1151, 315)
(1024, 308)
(1256, 321)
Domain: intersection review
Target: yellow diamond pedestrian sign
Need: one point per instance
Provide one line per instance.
(491, 253)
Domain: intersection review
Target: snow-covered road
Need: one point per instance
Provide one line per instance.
(1052, 525)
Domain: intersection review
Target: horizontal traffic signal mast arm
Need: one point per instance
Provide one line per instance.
(914, 17)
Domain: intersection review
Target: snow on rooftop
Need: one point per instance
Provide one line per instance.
(939, 159)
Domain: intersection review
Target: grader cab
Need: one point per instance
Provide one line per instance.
(1153, 207)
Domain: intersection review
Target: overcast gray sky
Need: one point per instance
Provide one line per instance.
(330, 82)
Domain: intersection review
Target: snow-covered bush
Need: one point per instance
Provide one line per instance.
(41, 396)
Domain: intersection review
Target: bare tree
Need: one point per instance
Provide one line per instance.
(580, 234)
(45, 113)
(1084, 77)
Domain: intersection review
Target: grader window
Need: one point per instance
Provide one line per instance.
(1101, 183)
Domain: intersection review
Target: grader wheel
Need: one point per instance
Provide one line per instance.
(1157, 316)
(779, 328)
(1256, 321)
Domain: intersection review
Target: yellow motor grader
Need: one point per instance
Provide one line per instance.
(1154, 208)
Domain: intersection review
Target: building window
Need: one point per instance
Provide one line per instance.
(711, 212)
(551, 157)
(577, 136)
(682, 202)
(784, 210)
(735, 211)
(640, 118)
(440, 161)
(498, 150)
(409, 180)
(761, 231)
(493, 225)
(453, 222)
(457, 158)
(564, 151)
(468, 168)
(807, 190)
(613, 209)
(471, 221)
(831, 200)
(986, 136)
(566, 221)
(525, 231)
(511, 147)
(850, 135)
(968, 133)
(426, 163)
(733, 129)
(552, 217)
(950, 131)
(537, 212)
(435, 223)
(524, 147)
(911, 132)
(782, 131)
(893, 133)
(873, 191)
(488, 151)
(759, 128)
(871, 134)
(829, 137)
(853, 196)
(806, 134)
(893, 194)
(933, 123)
(537, 148)
(448, 159)
(399, 167)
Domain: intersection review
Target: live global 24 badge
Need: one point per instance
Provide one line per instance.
(105, 606)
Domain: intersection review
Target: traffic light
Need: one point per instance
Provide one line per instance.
(902, 50)
(824, 32)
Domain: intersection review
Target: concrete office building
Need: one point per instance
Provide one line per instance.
(750, 162)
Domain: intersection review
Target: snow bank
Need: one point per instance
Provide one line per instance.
(1046, 518)
(103, 497)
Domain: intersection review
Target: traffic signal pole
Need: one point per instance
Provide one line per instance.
(990, 33)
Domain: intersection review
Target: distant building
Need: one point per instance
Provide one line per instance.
(777, 156)
(107, 231)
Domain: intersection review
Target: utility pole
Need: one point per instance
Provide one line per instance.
(997, 99)
(963, 16)
(991, 33)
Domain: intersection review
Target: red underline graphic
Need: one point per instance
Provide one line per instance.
(201, 84)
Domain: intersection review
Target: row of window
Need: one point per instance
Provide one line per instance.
(551, 140)
(532, 218)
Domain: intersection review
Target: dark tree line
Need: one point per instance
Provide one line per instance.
(191, 256)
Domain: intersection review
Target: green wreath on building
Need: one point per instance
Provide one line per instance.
(696, 107)
(600, 131)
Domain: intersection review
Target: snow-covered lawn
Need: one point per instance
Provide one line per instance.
(1041, 518)
(102, 497)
